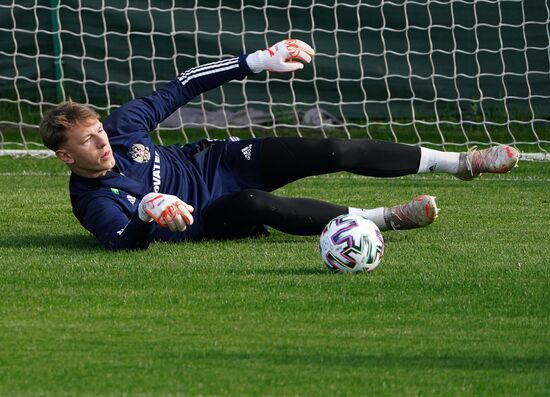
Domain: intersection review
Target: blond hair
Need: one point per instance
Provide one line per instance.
(57, 122)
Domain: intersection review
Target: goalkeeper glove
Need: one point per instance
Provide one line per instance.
(167, 210)
(279, 57)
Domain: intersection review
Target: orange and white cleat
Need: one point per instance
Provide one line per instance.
(419, 212)
(497, 160)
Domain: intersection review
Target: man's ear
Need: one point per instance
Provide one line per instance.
(64, 156)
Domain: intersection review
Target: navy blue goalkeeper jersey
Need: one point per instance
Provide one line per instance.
(197, 173)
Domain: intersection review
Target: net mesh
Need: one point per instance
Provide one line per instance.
(434, 73)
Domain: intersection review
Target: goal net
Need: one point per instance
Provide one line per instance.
(445, 74)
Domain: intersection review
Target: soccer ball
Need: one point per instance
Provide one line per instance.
(351, 243)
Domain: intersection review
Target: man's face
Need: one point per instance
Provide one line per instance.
(87, 150)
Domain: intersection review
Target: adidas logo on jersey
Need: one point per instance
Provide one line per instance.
(131, 199)
(247, 151)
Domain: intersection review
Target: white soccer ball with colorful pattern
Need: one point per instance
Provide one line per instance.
(351, 243)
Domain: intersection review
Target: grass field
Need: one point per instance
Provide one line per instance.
(461, 308)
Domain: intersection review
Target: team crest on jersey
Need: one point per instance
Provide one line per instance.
(139, 153)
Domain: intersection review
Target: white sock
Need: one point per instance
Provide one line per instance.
(438, 161)
(375, 214)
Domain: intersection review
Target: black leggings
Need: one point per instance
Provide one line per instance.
(285, 160)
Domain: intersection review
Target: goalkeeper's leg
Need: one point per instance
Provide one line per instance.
(239, 214)
(285, 160)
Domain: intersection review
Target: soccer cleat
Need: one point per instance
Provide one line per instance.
(419, 212)
(497, 159)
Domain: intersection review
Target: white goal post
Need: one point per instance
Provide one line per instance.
(449, 74)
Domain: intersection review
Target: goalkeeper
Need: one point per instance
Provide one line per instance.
(128, 191)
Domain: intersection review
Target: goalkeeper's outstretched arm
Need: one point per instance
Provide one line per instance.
(144, 114)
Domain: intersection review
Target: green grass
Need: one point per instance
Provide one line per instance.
(460, 308)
